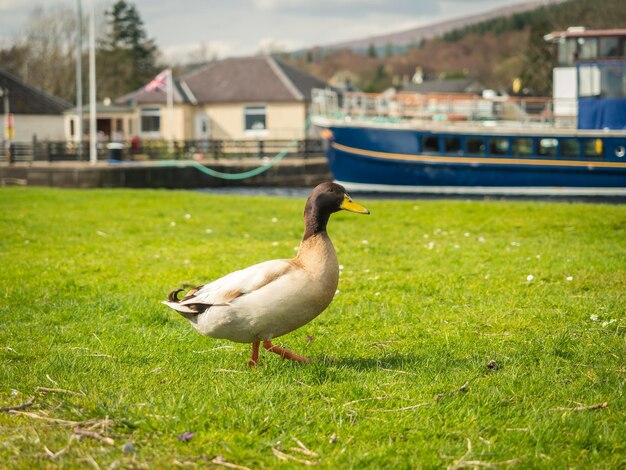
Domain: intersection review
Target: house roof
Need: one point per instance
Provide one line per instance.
(236, 80)
(26, 99)
(141, 96)
(456, 85)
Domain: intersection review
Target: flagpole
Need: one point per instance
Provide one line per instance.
(93, 151)
(79, 78)
(170, 109)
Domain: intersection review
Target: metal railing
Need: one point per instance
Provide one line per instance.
(198, 150)
(443, 107)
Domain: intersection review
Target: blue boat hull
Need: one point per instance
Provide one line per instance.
(391, 160)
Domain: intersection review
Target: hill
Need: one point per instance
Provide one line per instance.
(494, 52)
(415, 36)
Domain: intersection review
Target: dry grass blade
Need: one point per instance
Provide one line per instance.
(89, 459)
(58, 390)
(54, 455)
(459, 463)
(462, 388)
(397, 371)
(18, 407)
(364, 399)
(405, 408)
(302, 449)
(286, 457)
(94, 435)
(61, 422)
(478, 463)
(219, 460)
(597, 406)
(463, 462)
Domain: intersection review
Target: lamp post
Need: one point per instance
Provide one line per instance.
(8, 123)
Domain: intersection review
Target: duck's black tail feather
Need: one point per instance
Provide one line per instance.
(173, 295)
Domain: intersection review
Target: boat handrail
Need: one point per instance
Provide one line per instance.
(443, 107)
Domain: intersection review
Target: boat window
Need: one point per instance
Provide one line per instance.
(609, 47)
(522, 147)
(547, 147)
(499, 146)
(605, 79)
(567, 51)
(475, 146)
(453, 145)
(430, 143)
(587, 48)
(570, 148)
(592, 148)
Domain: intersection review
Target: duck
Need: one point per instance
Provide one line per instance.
(270, 299)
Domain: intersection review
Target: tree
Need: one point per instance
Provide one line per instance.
(126, 56)
(389, 51)
(537, 70)
(45, 56)
(371, 51)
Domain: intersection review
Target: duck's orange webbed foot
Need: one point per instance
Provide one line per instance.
(255, 355)
(284, 353)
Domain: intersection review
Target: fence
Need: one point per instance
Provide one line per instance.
(444, 107)
(45, 151)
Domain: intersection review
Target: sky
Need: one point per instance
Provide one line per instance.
(187, 29)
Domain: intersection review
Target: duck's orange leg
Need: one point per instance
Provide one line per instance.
(284, 353)
(255, 354)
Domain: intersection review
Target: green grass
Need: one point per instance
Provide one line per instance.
(430, 292)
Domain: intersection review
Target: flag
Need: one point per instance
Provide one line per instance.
(159, 82)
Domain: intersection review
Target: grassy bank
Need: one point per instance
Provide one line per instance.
(462, 332)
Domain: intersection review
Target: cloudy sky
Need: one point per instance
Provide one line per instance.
(240, 27)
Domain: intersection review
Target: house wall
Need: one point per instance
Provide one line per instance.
(45, 127)
(283, 121)
(226, 121)
(128, 129)
(182, 118)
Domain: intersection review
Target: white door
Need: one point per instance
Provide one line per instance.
(202, 127)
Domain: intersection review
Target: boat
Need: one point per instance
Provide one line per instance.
(572, 144)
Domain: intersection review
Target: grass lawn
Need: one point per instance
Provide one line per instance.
(464, 334)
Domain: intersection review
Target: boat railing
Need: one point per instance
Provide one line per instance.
(443, 107)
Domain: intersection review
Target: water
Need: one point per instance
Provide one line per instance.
(302, 192)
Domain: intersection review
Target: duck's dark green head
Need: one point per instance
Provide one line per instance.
(324, 200)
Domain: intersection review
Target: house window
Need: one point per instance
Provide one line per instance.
(255, 118)
(150, 121)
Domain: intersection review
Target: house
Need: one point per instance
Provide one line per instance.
(453, 85)
(241, 98)
(36, 114)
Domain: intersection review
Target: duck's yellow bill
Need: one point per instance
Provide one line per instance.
(349, 205)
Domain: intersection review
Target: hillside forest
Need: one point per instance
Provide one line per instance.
(493, 52)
